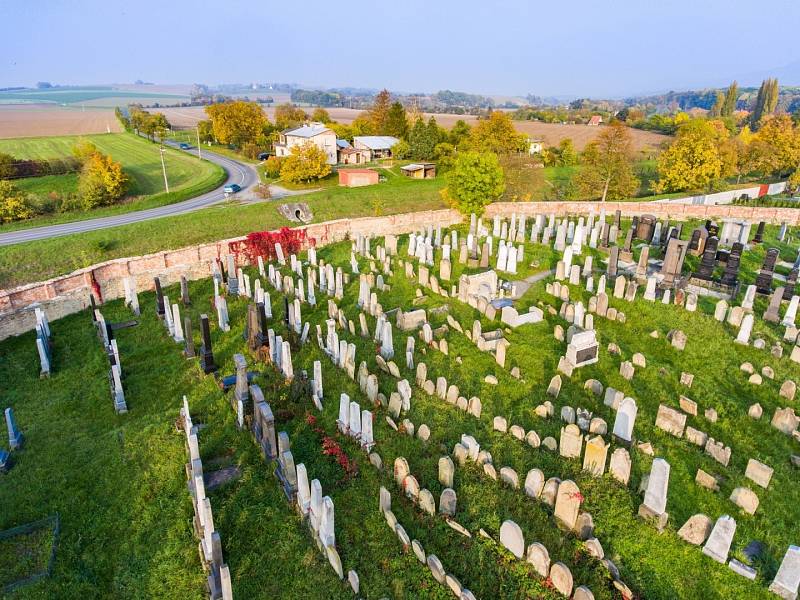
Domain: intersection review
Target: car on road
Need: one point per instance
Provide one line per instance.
(232, 188)
(184, 146)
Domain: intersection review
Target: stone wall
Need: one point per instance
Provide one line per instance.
(68, 294)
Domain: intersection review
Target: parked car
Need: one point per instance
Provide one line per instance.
(232, 188)
(263, 155)
(184, 146)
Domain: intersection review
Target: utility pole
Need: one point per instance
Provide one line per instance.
(164, 169)
(198, 143)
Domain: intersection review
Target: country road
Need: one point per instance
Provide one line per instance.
(240, 173)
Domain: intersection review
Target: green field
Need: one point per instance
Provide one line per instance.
(35, 261)
(118, 481)
(76, 95)
(140, 158)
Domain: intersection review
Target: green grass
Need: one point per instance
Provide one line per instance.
(119, 486)
(35, 261)
(25, 554)
(77, 95)
(188, 176)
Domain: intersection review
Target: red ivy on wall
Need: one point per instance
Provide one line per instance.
(262, 243)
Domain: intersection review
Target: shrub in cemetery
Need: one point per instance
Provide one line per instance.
(474, 181)
(262, 243)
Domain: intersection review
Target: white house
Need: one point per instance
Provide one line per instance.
(316, 133)
(535, 146)
(379, 146)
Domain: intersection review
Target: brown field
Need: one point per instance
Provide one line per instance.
(553, 133)
(31, 120)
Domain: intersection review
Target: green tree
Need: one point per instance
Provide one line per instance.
(607, 171)
(102, 181)
(321, 115)
(13, 204)
(777, 145)
(206, 130)
(422, 140)
(6, 166)
(567, 155)
(475, 180)
(396, 121)
(83, 150)
(496, 134)
(731, 96)
(306, 162)
(692, 161)
(766, 102)
(401, 150)
(459, 132)
(237, 122)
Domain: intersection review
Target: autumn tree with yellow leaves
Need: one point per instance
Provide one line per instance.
(306, 162)
(237, 123)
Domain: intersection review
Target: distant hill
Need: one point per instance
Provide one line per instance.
(788, 100)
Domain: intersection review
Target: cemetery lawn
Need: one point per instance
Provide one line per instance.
(188, 176)
(43, 259)
(25, 555)
(118, 481)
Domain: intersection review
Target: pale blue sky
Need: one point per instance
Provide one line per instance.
(493, 47)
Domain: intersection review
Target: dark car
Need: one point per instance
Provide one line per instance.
(232, 188)
(263, 156)
(184, 146)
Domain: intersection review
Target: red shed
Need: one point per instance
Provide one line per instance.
(357, 177)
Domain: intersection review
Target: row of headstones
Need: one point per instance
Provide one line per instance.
(219, 577)
(431, 561)
(717, 540)
(15, 439)
(106, 335)
(489, 341)
(422, 497)
(450, 394)
(355, 422)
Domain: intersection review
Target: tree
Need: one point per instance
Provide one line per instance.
(401, 150)
(396, 122)
(288, 115)
(777, 145)
(459, 132)
(321, 115)
(475, 180)
(237, 122)
(731, 96)
(306, 162)
(6, 166)
(272, 167)
(422, 140)
(378, 115)
(83, 150)
(766, 102)
(607, 171)
(13, 204)
(362, 125)
(102, 181)
(205, 129)
(567, 155)
(496, 134)
(692, 161)
(719, 103)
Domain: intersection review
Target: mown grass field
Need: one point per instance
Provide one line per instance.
(118, 481)
(188, 176)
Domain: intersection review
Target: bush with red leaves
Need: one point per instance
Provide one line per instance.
(262, 243)
(330, 447)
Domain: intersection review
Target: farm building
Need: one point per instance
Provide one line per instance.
(352, 156)
(595, 120)
(316, 133)
(419, 170)
(357, 177)
(535, 146)
(379, 146)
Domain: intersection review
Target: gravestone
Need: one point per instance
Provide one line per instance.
(719, 542)
(787, 579)
(764, 277)
(731, 274)
(655, 497)
(709, 259)
(206, 353)
(511, 537)
(625, 419)
(568, 503)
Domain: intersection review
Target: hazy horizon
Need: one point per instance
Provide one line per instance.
(509, 50)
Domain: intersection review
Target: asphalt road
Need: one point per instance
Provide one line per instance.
(243, 174)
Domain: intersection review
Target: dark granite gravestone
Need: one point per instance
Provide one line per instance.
(626, 253)
(709, 259)
(712, 228)
(764, 278)
(666, 232)
(731, 273)
(759, 233)
(286, 311)
(645, 228)
(635, 222)
(94, 304)
(185, 291)
(791, 283)
(604, 236)
(188, 336)
(618, 219)
(206, 353)
(159, 299)
(694, 242)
